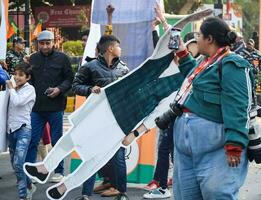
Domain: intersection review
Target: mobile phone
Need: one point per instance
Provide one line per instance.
(48, 91)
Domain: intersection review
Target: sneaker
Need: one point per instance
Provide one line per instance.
(30, 192)
(83, 197)
(121, 196)
(110, 192)
(56, 178)
(103, 186)
(158, 193)
(152, 185)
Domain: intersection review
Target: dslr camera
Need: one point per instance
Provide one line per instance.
(167, 117)
(254, 146)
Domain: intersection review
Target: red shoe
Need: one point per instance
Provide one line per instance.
(152, 185)
(170, 183)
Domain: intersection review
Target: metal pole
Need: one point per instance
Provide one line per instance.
(17, 17)
(259, 26)
(27, 26)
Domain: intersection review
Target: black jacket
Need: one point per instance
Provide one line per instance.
(96, 72)
(53, 70)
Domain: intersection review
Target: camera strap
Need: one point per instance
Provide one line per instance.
(186, 87)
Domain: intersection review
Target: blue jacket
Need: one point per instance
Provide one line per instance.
(3, 76)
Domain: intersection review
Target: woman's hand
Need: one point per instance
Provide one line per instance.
(182, 46)
(155, 23)
(233, 161)
(159, 13)
(233, 153)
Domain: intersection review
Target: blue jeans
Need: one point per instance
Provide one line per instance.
(201, 170)
(18, 146)
(104, 172)
(164, 150)
(119, 171)
(38, 120)
(117, 174)
(87, 187)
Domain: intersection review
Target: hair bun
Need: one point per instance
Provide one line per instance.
(231, 36)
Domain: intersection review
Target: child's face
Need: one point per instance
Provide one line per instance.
(116, 50)
(20, 78)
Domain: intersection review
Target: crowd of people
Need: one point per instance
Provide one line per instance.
(207, 142)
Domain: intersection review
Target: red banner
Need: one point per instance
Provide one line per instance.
(61, 16)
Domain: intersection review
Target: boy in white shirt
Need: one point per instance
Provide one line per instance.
(22, 98)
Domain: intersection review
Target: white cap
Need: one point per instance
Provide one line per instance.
(45, 35)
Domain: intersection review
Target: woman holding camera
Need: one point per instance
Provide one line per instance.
(211, 135)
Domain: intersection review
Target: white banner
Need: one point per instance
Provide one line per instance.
(126, 11)
(131, 22)
(4, 96)
(3, 32)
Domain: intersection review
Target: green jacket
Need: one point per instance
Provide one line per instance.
(225, 99)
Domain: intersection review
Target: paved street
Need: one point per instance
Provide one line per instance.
(250, 191)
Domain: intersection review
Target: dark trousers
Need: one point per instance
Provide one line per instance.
(87, 187)
(38, 121)
(164, 151)
(119, 180)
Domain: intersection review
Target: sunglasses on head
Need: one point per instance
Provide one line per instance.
(45, 42)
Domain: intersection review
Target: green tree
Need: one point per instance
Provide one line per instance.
(73, 48)
(250, 11)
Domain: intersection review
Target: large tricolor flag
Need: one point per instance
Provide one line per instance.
(131, 23)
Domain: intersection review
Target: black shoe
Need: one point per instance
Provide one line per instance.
(121, 196)
(54, 193)
(32, 170)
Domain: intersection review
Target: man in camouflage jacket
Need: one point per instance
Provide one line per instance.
(15, 55)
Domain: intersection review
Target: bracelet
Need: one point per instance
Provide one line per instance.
(182, 54)
(136, 133)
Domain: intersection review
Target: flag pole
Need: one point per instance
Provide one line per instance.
(259, 25)
(26, 26)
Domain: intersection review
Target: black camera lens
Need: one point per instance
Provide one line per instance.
(169, 116)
